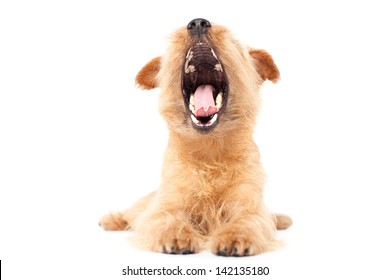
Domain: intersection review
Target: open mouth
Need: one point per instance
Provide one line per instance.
(204, 85)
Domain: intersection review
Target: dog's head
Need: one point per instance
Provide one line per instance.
(209, 82)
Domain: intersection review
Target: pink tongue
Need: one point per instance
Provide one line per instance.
(204, 101)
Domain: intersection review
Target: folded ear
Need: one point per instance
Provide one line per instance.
(265, 65)
(147, 76)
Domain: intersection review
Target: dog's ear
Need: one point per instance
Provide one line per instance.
(147, 76)
(265, 65)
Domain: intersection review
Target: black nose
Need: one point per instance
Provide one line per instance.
(198, 26)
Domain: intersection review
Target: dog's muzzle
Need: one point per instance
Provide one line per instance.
(204, 86)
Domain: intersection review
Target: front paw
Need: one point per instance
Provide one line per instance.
(178, 240)
(236, 242)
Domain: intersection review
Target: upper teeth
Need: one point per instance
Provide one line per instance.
(187, 67)
(212, 51)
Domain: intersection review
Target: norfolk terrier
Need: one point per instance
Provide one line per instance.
(211, 194)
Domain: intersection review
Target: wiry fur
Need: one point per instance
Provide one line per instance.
(212, 183)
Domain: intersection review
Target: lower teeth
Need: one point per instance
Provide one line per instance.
(199, 123)
(218, 102)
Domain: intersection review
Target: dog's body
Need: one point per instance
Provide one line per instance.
(212, 179)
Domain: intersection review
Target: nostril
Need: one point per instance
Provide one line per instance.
(191, 25)
(205, 23)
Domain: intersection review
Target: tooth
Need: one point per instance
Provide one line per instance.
(192, 101)
(195, 120)
(190, 68)
(212, 51)
(187, 62)
(218, 67)
(213, 119)
(219, 101)
(189, 53)
(192, 108)
(219, 98)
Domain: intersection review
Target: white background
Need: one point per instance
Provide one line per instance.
(78, 139)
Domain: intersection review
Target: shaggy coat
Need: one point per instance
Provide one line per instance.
(211, 194)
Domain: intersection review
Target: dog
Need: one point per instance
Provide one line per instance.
(211, 194)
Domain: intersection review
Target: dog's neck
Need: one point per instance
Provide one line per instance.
(209, 149)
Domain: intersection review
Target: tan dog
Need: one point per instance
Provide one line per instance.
(212, 180)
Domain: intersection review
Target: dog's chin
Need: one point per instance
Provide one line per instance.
(204, 87)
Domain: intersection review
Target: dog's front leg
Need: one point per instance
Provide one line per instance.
(165, 228)
(249, 229)
(245, 235)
